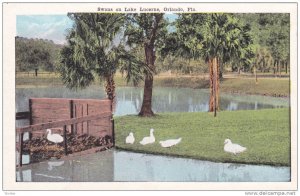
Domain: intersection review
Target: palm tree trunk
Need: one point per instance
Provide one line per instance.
(218, 77)
(110, 89)
(214, 85)
(211, 88)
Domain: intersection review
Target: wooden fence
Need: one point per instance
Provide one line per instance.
(79, 116)
(52, 109)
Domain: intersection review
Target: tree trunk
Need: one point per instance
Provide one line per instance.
(277, 63)
(110, 89)
(279, 67)
(214, 85)
(255, 74)
(211, 76)
(218, 78)
(274, 67)
(146, 109)
(286, 67)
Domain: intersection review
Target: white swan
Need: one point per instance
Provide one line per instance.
(233, 148)
(169, 143)
(130, 138)
(54, 164)
(56, 138)
(148, 140)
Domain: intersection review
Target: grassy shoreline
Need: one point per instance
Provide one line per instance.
(265, 133)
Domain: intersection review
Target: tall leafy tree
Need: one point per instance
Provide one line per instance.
(34, 54)
(92, 50)
(217, 38)
(278, 39)
(147, 31)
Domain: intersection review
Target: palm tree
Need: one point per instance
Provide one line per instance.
(92, 51)
(217, 38)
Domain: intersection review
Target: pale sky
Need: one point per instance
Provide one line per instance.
(51, 27)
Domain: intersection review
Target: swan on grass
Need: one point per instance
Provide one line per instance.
(56, 138)
(233, 148)
(170, 142)
(130, 138)
(148, 140)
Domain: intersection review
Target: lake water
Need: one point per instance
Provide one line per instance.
(129, 99)
(121, 166)
(115, 165)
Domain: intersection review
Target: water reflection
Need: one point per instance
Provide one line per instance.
(145, 167)
(115, 166)
(129, 99)
(97, 167)
(191, 100)
(53, 164)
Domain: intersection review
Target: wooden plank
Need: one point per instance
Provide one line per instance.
(87, 122)
(22, 115)
(20, 149)
(50, 106)
(49, 112)
(71, 115)
(113, 130)
(65, 140)
(88, 151)
(91, 101)
(30, 111)
(61, 123)
(50, 100)
(102, 125)
(49, 116)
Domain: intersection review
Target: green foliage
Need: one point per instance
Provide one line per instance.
(270, 32)
(180, 65)
(91, 51)
(211, 35)
(265, 133)
(134, 66)
(139, 29)
(34, 54)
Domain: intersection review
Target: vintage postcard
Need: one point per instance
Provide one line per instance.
(150, 96)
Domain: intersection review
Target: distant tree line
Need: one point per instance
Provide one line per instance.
(32, 54)
(268, 52)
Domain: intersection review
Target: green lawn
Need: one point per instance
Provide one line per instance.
(265, 133)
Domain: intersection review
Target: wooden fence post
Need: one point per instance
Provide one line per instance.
(72, 115)
(30, 118)
(65, 140)
(113, 130)
(113, 122)
(20, 149)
